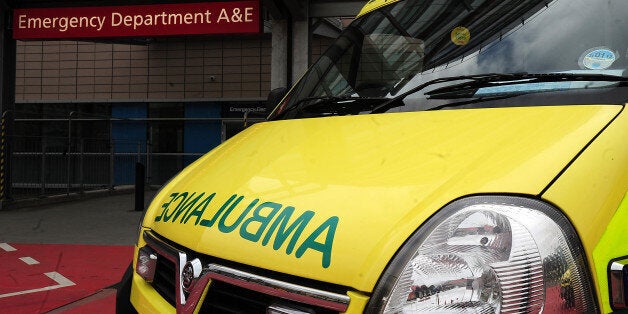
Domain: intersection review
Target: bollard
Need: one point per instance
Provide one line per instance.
(139, 186)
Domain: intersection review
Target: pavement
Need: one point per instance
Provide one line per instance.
(67, 256)
(100, 220)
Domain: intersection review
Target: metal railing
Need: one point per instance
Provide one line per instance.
(49, 166)
(42, 166)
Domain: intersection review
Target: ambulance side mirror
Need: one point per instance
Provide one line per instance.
(274, 97)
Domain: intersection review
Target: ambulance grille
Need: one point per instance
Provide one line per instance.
(164, 281)
(223, 297)
(226, 298)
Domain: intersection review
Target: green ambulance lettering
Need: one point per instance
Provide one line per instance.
(258, 220)
(173, 196)
(328, 227)
(222, 225)
(296, 228)
(199, 210)
(230, 201)
(186, 206)
(266, 221)
(167, 213)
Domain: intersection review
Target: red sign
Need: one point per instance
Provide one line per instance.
(138, 20)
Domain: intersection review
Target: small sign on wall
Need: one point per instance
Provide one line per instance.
(234, 17)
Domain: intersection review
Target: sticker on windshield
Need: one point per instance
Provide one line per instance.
(523, 88)
(599, 58)
(460, 36)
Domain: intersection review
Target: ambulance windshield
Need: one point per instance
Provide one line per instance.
(425, 54)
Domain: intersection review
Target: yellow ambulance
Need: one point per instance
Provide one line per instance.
(450, 156)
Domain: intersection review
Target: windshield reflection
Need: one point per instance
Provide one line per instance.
(391, 51)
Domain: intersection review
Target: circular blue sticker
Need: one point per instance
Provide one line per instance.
(599, 58)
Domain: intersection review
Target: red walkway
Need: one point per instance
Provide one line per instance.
(38, 278)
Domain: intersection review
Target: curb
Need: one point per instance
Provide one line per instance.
(56, 199)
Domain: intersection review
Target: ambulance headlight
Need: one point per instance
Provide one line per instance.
(489, 254)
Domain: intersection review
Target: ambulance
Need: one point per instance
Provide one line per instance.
(448, 156)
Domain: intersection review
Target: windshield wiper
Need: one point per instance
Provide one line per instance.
(481, 77)
(335, 105)
(468, 89)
